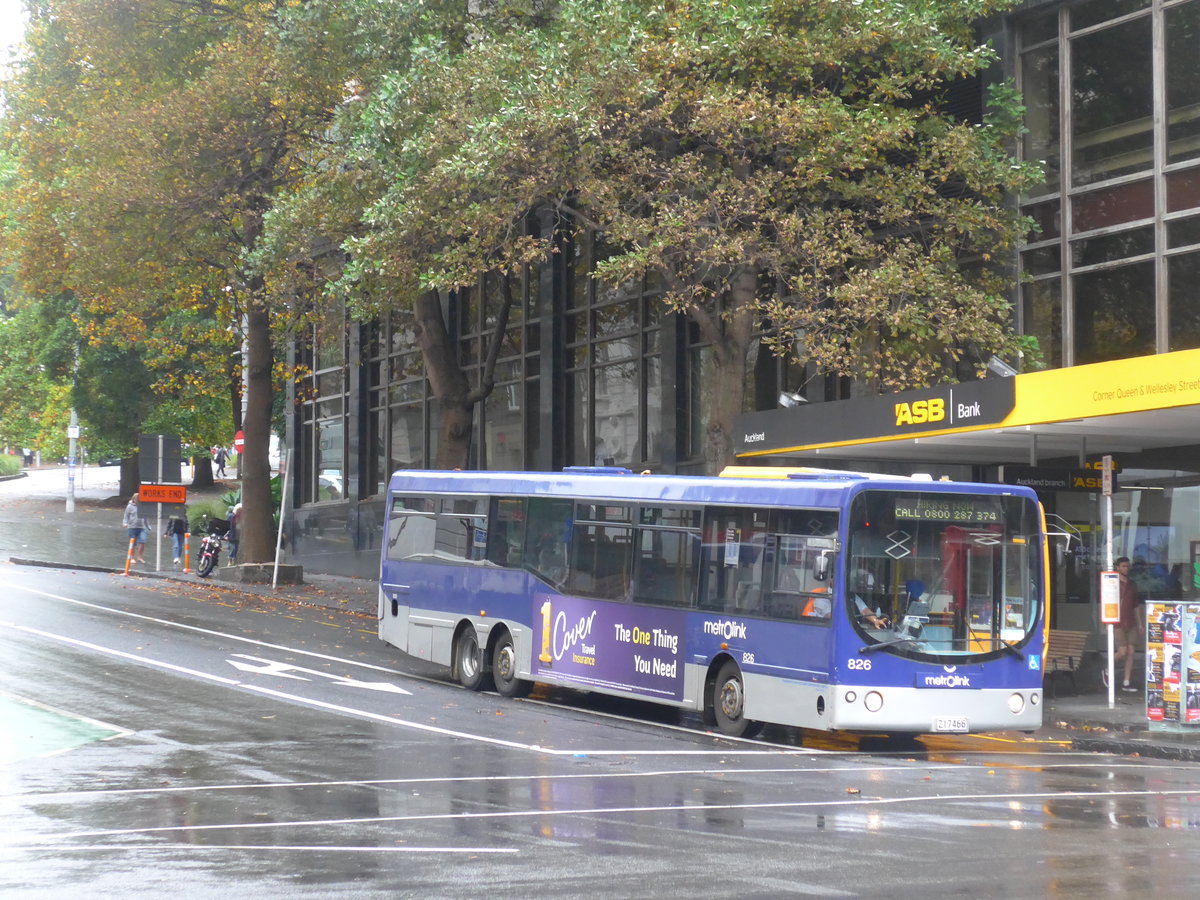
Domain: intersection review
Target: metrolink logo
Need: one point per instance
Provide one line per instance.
(726, 629)
(946, 681)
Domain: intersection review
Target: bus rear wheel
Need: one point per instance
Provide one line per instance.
(468, 660)
(729, 703)
(504, 668)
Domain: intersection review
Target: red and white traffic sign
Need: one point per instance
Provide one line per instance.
(239, 441)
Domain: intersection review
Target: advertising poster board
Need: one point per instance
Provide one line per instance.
(1172, 663)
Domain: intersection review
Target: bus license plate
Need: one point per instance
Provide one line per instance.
(951, 723)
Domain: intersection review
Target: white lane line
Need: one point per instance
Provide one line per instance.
(110, 651)
(513, 745)
(840, 802)
(221, 634)
(107, 793)
(379, 717)
(104, 793)
(307, 848)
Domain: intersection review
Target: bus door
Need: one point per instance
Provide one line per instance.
(984, 575)
(411, 527)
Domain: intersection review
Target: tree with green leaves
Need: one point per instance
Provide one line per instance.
(784, 168)
(153, 136)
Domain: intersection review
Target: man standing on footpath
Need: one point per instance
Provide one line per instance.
(1129, 630)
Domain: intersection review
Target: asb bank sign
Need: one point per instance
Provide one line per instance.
(930, 411)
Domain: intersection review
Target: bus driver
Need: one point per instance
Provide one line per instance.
(864, 583)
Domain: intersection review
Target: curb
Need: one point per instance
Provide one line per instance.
(43, 564)
(1137, 747)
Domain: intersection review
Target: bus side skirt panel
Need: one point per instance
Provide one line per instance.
(786, 701)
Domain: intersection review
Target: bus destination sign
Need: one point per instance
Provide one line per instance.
(961, 510)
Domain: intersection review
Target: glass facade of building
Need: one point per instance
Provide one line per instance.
(1113, 112)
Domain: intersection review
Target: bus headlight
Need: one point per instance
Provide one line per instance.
(1016, 703)
(873, 701)
(1035, 698)
(851, 696)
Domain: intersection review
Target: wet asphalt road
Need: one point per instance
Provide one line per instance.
(166, 738)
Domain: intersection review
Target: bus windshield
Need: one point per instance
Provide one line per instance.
(943, 574)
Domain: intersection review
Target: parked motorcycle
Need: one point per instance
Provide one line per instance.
(210, 547)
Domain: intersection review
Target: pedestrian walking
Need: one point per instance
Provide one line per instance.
(220, 459)
(137, 529)
(177, 528)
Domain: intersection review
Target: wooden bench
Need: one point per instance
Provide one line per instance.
(1064, 653)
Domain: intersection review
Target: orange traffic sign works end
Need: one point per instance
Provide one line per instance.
(162, 493)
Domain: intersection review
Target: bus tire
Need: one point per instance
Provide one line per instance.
(504, 668)
(729, 702)
(468, 660)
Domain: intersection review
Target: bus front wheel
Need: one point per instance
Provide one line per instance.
(729, 703)
(504, 668)
(468, 660)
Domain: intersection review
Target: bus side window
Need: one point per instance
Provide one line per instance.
(411, 528)
(665, 571)
(461, 529)
(548, 536)
(734, 552)
(506, 532)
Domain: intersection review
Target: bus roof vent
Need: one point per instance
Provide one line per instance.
(598, 470)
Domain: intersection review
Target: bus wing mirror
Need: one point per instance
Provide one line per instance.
(821, 566)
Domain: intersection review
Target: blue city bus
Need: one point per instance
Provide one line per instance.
(826, 600)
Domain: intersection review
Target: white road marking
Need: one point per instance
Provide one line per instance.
(361, 713)
(282, 669)
(834, 802)
(110, 651)
(210, 632)
(269, 669)
(311, 848)
(107, 793)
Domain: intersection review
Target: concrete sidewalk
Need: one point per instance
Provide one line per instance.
(35, 529)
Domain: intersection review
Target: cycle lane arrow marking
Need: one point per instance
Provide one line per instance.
(261, 666)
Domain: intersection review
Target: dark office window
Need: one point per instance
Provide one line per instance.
(1183, 278)
(1114, 313)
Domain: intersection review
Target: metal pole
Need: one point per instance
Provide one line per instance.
(1108, 556)
(158, 533)
(287, 469)
(73, 447)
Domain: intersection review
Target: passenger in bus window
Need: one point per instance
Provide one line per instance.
(818, 606)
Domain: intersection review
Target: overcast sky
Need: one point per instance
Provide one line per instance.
(11, 15)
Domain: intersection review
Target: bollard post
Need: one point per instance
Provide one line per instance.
(129, 556)
(186, 570)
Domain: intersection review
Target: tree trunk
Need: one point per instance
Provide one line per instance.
(447, 381)
(203, 476)
(256, 537)
(130, 478)
(732, 372)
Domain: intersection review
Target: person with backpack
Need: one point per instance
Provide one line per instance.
(177, 527)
